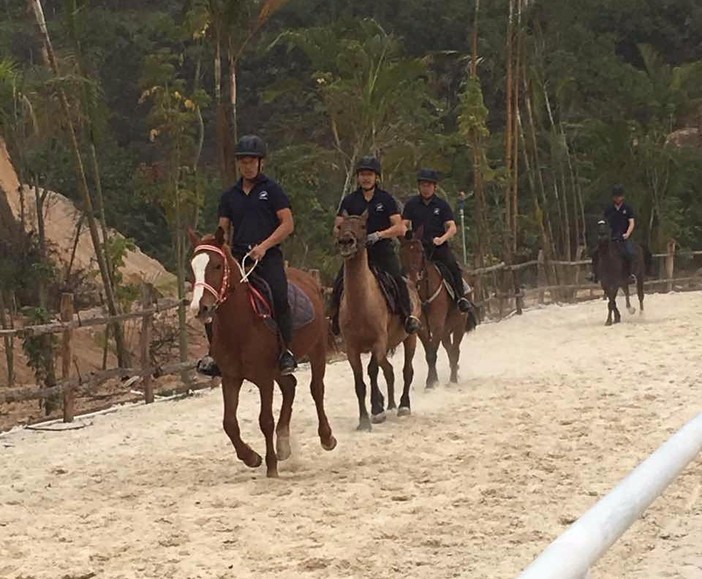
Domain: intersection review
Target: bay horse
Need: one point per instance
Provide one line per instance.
(245, 348)
(442, 321)
(367, 325)
(611, 271)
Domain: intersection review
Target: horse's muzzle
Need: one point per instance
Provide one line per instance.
(205, 313)
(348, 246)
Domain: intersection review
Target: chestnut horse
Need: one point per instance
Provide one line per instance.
(442, 321)
(244, 348)
(367, 325)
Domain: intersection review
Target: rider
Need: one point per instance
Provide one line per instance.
(384, 224)
(620, 217)
(256, 213)
(433, 216)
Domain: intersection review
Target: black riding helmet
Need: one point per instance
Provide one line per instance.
(618, 190)
(429, 175)
(251, 146)
(369, 163)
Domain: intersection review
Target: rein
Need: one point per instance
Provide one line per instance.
(221, 295)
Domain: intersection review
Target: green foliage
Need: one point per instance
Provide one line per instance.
(40, 352)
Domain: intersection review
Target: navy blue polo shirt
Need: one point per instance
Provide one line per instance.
(253, 215)
(380, 208)
(618, 218)
(430, 215)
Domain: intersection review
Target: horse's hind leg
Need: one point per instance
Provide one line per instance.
(230, 392)
(640, 291)
(389, 374)
(409, 345)
(267, 425)
(287, 387)
(354, 358)
(452, 344)
(630, 309)
(377, 401)
(318, 364)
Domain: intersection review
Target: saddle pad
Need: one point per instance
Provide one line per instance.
(301, 308)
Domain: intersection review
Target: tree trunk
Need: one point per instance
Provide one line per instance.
(507, 241)
(82, 180)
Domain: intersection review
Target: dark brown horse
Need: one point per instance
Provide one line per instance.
(245, 348)
(442, 322)
(611, 271)
(367, 325)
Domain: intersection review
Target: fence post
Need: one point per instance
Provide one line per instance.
(541, 279)
(7, 324)
(67, 357)
(145, 342)
(519, 298)
(316, 276)
(670, 264)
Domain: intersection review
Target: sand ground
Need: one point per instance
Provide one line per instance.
(552, 410)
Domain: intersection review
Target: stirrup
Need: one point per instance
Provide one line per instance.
(287, 363)
(208, 367)
(412, 325)
(464, 304)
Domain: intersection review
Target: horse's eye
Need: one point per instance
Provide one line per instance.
(218, 266)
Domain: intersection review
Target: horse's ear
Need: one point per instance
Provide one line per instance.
(408, 235)
(194, 237)
(219, 237)
(344, 213)
(364, 215)
(420, 233)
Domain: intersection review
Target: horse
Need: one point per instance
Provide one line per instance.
(611, 271)
(442, 321)
(245, 347)
(367, 325)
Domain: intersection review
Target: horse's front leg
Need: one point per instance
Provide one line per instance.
(377, 401)
(354, 358)
(409, 345)
(231, 387)
(267, 424)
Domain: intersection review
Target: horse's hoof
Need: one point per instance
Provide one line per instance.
(330, 444)
(392, 406)
(632, 311)
(254, 460)
(378, 418)
(283, 450)
(404, 411)
(272, 473)
(364, 426)
(608, 323)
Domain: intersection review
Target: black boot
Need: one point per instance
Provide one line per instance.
(207, 365)
(286, 361)
(463, 305)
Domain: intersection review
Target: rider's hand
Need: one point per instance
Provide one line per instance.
(373, 238)
(625, 236)
(258, 252)
(437, 241)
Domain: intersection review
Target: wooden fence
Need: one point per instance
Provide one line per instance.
(501, 290)
(70, 387)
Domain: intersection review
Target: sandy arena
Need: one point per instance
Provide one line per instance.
(553, 409)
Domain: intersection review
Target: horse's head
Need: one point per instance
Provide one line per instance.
(210, 265)
(604, 233)
(412, 256)
(352, 234)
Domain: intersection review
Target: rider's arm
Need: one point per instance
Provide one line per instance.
(226, 224)
(450, 227)
(630, 229)
(283, 231)
(397, 228)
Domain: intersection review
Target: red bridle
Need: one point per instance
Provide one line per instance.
(221, 295)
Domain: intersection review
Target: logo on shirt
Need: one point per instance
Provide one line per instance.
(263, 195)
(379, 208)
(436, 211)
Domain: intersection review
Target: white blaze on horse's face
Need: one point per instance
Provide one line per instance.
(199, 265)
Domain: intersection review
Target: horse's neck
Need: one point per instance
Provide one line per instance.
(358, 279)
(431, 281)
